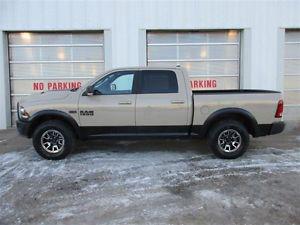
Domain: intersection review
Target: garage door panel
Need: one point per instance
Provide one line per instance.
(231, 36)
(56, 53)
(42, 70)
(158, 37)
(204, 68)
(32, 86)
(23, 38)
(162, 64)
(292, 97)
(161, 52)
(41, 61)
(25, 70)
(209, 37)
(214, 82)
(32, 38)
(56, 69)
(211, 68)
(292, 82)
(201, 53)
(292, 73)
(88, 69)
(292, 36)
(209, 52)
(193, 52)
(292, 67)
(28, 53)
(88, 53)
(55, 38)
(192, 37)
(40, 53)
(292, 112)
(88, 38)
(292, 51)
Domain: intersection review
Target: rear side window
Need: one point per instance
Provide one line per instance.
(158, 81)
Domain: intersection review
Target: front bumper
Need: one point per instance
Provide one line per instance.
(270, 129)
(23, 128)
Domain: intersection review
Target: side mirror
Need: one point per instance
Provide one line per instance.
(90, 91)
(113, 87)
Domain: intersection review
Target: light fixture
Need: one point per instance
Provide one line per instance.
(26, 36)
(232, 34)
(203, 54)
(61, 55)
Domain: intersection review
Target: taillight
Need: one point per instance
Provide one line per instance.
(279, 110)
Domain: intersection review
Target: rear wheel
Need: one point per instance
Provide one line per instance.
(53, 140)
(228, 139)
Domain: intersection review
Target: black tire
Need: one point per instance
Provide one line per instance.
(62, 128)
(231, 126)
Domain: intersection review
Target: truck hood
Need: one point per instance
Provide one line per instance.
(63, 101)
(48, 98)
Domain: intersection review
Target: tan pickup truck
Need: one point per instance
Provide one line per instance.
(148, 102)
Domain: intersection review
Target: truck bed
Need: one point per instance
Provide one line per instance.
(233, 91)
(261, 104)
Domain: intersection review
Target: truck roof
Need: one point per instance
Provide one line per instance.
(148, 68)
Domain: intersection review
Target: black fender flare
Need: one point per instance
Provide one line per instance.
(220, 114)
(38, 117)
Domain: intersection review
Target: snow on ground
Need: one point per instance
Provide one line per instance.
(119, 186)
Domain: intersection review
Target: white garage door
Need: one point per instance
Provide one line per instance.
(292, 73)
(210, 57)
(42, 61)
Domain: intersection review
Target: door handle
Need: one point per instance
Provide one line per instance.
(177, 102)
(125, 103)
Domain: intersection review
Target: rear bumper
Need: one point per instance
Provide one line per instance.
(270, 129)
(277, 127)
(23, 128)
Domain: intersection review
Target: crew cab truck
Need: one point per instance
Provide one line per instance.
(148, 102)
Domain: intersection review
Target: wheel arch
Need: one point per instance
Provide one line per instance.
(238, 114)
(46, 115)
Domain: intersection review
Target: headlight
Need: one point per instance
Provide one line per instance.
(22, 113)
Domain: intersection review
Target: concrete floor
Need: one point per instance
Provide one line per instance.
(151, 182)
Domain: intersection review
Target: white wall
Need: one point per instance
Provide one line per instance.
(127, 21)
(5, 119)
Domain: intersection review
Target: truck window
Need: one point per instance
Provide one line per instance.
(158, 81)
(115, 84)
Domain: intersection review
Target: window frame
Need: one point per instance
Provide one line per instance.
(134, 85)
(139, 82)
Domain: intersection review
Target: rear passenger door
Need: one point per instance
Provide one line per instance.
(161, 102)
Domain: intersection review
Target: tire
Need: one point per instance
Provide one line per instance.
(228, 139)
(56, 132)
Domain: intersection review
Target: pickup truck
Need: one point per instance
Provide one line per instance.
(148, 102)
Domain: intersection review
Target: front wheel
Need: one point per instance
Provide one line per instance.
(228, 139)
(53, 140)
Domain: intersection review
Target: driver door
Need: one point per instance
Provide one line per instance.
(111, 108)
